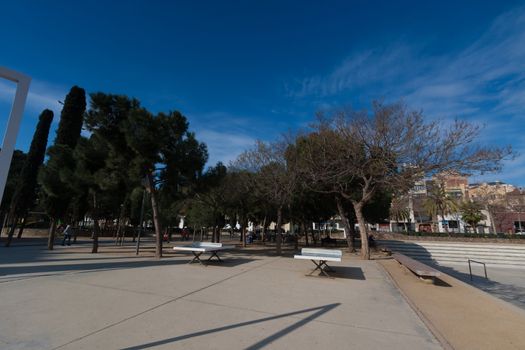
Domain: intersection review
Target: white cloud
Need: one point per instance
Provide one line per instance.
(223, 146)
(228, 135)
(41, 96)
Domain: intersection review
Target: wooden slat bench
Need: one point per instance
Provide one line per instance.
(424, 272)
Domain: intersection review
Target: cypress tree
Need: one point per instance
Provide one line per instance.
(71, 118)
(15, 169)
(56, 177)
(24, 195)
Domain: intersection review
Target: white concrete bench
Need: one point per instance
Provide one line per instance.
(319, 257)
(198, 248)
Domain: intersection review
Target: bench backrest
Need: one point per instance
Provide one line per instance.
(322, 252)
(206, 245)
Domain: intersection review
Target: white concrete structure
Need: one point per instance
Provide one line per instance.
(6, 153)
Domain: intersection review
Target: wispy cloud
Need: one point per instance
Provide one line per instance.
(489, 71)
(228, 135)
(224, 146)
(41, 95)
(483, 82)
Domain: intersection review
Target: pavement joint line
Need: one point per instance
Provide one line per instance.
(345, 325)
(117, 289)
(160, 305)
(431, 327)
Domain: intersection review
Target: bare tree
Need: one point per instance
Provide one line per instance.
(273, 178)
(391, 147)
(320, 161)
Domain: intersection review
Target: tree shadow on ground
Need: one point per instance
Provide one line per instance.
(37, 270)
(319, 311)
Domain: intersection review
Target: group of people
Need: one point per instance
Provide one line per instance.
(185, 234)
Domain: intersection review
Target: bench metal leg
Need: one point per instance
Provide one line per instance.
(197, 258)
(214, 254)
(321, 266)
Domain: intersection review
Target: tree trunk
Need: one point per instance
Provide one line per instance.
(243, 236)
(442, 222)
(96, 227)
(96, 230)
(353, 232)
(11, 232)
(263, 231)
(4, 221)
(346, 224)
(491, 218)
(51, 236)
(305, 231)
(314, 239)
(156, 219)
(278, 239)
(22, 227)
(363, 232)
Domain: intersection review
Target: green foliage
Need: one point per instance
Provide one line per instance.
(25, 194)
(71, 118)
(57, 177)
(127, 144)
(471, 213)
(439, 202)
(378, 209)
(15, 169)
(399, 210)
(200, 215)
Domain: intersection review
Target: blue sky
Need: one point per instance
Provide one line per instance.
(242, 70)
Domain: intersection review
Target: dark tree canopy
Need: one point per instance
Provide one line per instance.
(25, 192)
(71, 118)
(57, 176)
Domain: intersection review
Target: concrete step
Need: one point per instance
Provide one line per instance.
(491, 254)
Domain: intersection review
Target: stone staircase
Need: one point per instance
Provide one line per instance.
(492, 254)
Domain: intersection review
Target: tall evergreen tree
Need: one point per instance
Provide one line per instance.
(56, 177)
(24, 195)
(15, 169)
(71, 118)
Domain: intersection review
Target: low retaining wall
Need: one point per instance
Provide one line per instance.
(452, 238)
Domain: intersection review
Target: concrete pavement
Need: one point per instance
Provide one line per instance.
(70, 299)
(505, 283)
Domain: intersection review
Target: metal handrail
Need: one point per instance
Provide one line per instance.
(478, 262)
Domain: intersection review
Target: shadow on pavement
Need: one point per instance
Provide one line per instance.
(258, 345)
(55, 269)
(353, 273)
(507, 292)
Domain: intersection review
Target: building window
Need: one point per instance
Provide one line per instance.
(519, 226)
(453, 224)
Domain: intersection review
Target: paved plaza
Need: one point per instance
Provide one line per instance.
(70, 299)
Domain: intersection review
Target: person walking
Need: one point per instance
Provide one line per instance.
(67, 235)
